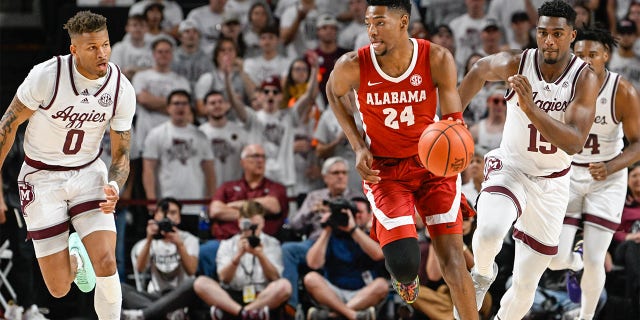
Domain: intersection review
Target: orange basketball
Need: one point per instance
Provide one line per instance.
(445, 148)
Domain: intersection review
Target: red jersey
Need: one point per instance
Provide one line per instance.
(396, 110)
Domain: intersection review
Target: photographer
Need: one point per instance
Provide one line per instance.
(249, 269)
(352, 283)
(171, 256)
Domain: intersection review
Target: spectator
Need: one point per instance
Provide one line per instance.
(466, 30)
(178, 161)
(270, 62)
(327, 50)
(208, 18)
(171, 256)
(172, 13)
(307, 219)
(189, 60)
(347, 36)
(154, 17)
(475, 175)
(487, 133)
(225, 61)
(490, 38)
(259, 17)
(133, 53)
(230, 197)
(240, 8)
(418, 30)
(623, 58)
(352, 283)
(297, 27)
(274, 128)
(503, 11)
(231, 28)
(627, 239)
(332, 142)
(521, 28)
(249, 269)
(301, 87)
(227, 137)
(584, 15)
(152, 88)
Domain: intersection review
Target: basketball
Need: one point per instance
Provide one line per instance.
(445, 148)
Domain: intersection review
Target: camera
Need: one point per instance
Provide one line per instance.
(165, 225)
(246, 225)
(339, 218)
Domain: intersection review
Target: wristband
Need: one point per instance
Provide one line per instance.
(352, 230)
(115, 185)
(454, 116)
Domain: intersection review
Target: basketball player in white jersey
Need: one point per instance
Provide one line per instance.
(69, 101)
(526, 179)
(599, 171)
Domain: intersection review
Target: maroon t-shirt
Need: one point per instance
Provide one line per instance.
(240, 190)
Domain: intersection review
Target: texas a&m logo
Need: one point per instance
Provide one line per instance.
(491, 164)
(27, 195)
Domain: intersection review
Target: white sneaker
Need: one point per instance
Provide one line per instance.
(33, 313)
(133, 314)
(13, 312)
(481, 285)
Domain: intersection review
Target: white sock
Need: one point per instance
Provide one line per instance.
(108, 297)
(596, 243)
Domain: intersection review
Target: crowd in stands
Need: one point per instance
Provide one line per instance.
(232, 111)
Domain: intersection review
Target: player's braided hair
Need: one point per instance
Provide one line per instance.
(402, 5)
(599, 35)
(558, 9)
(85, 22)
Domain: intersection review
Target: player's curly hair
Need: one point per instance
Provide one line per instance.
(85, 22)
(402, 5)
(599, 35)
(558, 9)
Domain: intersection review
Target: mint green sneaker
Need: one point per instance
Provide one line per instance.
(85, 276)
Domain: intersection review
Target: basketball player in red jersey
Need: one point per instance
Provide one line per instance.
(396, 78)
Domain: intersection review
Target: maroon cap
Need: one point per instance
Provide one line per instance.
(271, 81)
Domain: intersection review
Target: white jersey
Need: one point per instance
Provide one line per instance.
(535, 156)
(605, 138)
(72, 112)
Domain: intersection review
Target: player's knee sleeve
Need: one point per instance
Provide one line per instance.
(402, 258)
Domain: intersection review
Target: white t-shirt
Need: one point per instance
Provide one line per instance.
(259, 68)
(628, 68)
(180, 152)
(466, 32)
(306, 37)
(226, 143)
(165, 264)
(126, 55)
(72, 112)
(208, 23)
(172, 12)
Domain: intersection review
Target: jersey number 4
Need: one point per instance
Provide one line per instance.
(406, 116)
(592, 143)
(73, 141)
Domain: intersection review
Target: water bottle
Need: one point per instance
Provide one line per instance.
(203, 225)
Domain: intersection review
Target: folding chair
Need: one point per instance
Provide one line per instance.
(5, 267)
(140, 278)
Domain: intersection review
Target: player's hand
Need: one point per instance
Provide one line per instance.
(520, 84)
(109, 206)
(364, 161)
(598, 171)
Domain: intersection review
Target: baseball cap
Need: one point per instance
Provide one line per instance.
(442, 29)
(230, 17)
(519, 16)
(490, 25)
(626, 26)
(271, 81)
(186, 25)
(326, 20)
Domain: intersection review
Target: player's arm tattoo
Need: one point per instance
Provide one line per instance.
(16, 114)
(120, 149)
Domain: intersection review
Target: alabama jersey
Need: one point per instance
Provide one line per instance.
(396, 110)
(72, 112)
(605, 138)
(535, 156)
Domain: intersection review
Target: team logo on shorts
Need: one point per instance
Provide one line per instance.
(27, 195)
(491, 164)
(415, 80)
(105, 100)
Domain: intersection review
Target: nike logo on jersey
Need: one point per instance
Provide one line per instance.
(371, 84)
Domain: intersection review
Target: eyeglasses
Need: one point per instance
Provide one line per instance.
(498, 101)
(337, 172)
(274, 91)
(256, 156)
